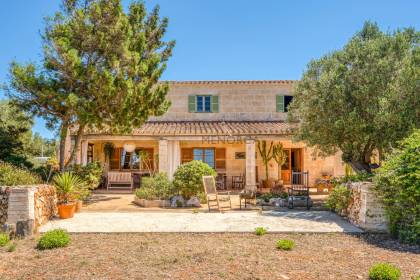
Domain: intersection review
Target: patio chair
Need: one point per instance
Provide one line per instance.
(119, 178)
(214, 198)
(238, 182)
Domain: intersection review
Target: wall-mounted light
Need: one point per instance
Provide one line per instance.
(129, 147)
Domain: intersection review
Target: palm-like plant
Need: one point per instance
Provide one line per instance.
(66, 185)
(279, 156)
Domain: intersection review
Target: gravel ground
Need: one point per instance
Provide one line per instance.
(208, 256)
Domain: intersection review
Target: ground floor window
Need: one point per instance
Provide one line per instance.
(214, 157)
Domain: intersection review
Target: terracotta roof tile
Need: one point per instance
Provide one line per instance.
(244, 82)
(210, 128)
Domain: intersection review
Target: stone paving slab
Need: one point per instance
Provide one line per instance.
(243, 221)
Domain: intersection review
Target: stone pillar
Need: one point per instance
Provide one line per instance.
(84, 152)
(21, 210)
(163, 156)
(250, 183)
(174, 157)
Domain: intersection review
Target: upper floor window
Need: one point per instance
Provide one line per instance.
(203, 103)
(282, 102)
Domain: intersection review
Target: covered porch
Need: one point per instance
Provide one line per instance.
(229, 147)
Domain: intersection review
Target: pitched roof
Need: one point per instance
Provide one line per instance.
(244, 82)
(210, 128)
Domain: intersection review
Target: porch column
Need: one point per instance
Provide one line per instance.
(78, 154)
(250, 183)
(174, 157)
(163, 156)
(84, 152)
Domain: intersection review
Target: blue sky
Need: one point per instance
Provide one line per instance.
(226, 39)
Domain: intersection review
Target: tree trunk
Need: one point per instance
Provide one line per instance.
(359, 166)
(75, 149)
(63, 135)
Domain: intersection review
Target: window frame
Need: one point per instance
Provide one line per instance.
(203, 97)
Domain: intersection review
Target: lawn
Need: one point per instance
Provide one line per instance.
(208, 256)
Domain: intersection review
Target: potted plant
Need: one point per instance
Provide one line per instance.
(65, 185)
(266, 155)
(280, 157)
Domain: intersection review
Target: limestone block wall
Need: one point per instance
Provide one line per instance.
(365, 209)
(33, 204)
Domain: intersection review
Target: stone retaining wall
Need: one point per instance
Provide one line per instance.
(365, 209)
(27, 206)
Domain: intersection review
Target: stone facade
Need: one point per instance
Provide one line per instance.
(365, 209)
(31, 205)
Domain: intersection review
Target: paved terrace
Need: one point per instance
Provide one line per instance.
(240, 221)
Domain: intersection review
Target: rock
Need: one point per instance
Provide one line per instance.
(193, 202)
(177, 201)
(24, 228)
(273, 200)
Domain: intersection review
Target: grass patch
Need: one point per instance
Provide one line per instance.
(11, 247)
(260, 231)
(53, 239)
(285, 244)
(384, 271)
(4, 239)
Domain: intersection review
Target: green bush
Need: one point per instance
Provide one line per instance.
(260, 231)
(4, 239)
(356, 177)
(338, 199)
(384, 271)
(188, 178)
(91, 173)
(11, 175)
(156, 187)
(53, 239)
(398, 185)
(11, 247)
(285, 244)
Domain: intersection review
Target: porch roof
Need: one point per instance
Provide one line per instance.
(209, 128)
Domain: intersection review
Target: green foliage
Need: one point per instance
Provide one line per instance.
(285, 244)
(4, 239)
(56, 238)
(66, 185)
(363, 98)
(266, 154)
(11, 247)
(11, 175)
(188, 178)
(279, 156)
(91, 173)
(156, 187)
(384, 271)
(338, 199)
(397, 182)
(96, 71)
(362, 176)
(260, 231)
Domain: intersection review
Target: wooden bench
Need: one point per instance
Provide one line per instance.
(119, 178)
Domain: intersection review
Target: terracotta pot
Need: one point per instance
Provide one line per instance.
(79, 205)
(66, 211)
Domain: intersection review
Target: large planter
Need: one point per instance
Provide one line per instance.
(66, 211)
(152, 203)
(78, 206)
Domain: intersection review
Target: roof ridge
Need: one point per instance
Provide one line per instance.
(230, 81)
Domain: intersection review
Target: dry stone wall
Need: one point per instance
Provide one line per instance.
(27, 206)
(365, 209)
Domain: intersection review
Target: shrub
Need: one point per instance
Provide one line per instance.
(53, 239)
(4, 239)
(156, 187)
(356, 177)
(384, 271)
(338, 199)
(285, 244)
(397, 184)
(11, 175)
(91, 173)
(188, 178)
(11, 247)
(260, 231)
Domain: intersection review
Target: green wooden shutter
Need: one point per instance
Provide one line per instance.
(191, 103)
(215, 103)
(280, 103)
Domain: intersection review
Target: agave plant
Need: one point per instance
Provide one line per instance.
(66, 185)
